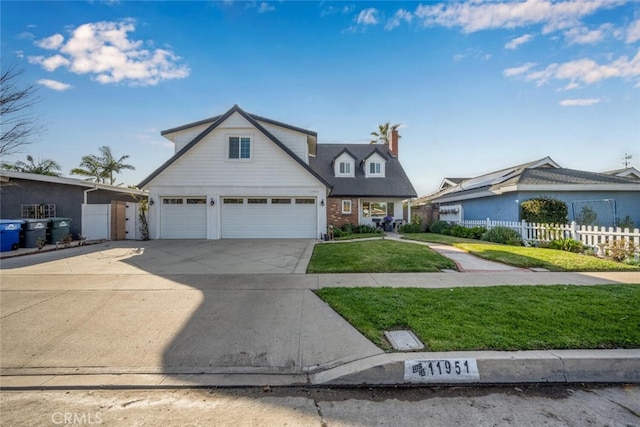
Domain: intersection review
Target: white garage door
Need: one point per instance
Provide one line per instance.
(183, 218)
(269, 217)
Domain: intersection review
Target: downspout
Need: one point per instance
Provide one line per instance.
(82, 230)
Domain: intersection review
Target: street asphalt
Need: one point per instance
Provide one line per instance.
(242, 312)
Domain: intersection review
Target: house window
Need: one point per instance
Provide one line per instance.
(257, 201)
(239, 148)
(374, 168)
(345, 168)
(346, 206)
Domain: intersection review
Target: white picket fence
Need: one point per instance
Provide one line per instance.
(591, 236)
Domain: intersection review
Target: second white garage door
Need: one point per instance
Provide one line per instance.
(269, 217)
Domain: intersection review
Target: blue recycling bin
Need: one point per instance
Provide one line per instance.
(10, 234)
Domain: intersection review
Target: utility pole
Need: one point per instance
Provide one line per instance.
(626, 159)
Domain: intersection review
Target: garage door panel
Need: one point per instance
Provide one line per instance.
(280, 217)
(183, 218)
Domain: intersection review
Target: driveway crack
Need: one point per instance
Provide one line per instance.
(33, 305)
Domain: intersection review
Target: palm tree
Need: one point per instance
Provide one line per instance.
(383, 134)
(89, 167)
(42, 167)
(110, 165)
(102, 168)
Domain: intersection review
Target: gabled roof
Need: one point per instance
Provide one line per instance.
(345, 150)
(6, 176)
(217, 121)
(628, 172)
(377, 151)
(395, 184)
(540, 175)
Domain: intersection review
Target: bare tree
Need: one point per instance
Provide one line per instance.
(18, 127)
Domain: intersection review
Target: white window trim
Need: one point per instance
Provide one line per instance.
(349, 174)
(344, 209)
(226, 149)
(375, 174)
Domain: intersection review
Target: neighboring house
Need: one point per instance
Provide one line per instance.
(27, 195)
(627, 172)
(497, 195)
(239, 175)
(368, 182)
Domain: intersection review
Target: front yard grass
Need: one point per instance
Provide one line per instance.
(376, 256)
(496, 318)
(527, 257)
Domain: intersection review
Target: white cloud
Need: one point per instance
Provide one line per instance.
(633, 32)
(581, 72)
(266, 7)
(513, 44)
(25, 35)
(581, 102)
(104, 50)
(397, 19)
(582, 35)
(52, 42)
(53, 84)
(368, 17)
(476, 16)
(516, 71)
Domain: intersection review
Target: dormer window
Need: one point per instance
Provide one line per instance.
(374, 166)
(344, 165)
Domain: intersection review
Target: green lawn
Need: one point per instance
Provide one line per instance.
(356, 236)
(376, 256)
(527, 257)
(497, 318)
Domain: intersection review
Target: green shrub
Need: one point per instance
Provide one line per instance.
(469, 233)
(410, 228)
(503, 235)
(566, 244)
(627, 222)
(439, 226)
(477, 232)
(544, 210)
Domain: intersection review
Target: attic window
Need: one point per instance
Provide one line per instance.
(239, 148)
(374, 168)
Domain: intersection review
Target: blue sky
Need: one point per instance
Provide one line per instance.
(477, 86)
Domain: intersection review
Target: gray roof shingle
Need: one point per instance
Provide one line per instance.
(395, 184)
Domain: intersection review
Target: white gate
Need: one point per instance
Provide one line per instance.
(96, 222)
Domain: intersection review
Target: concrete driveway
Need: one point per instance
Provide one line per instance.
(170, 307)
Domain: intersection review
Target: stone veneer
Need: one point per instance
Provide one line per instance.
(335, 216)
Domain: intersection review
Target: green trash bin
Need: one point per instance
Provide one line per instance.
(58, 229)
(34, 229)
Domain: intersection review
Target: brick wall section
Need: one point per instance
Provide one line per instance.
(335, 216)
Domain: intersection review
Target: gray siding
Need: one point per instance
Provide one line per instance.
(67, 198)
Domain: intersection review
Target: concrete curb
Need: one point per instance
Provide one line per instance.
(494, 367)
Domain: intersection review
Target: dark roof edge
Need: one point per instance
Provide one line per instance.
(255, 116)
(215, 124)
(344, 150)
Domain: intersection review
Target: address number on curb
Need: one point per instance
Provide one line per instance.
(442, 370)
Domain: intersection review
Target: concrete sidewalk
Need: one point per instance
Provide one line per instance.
(171, 315)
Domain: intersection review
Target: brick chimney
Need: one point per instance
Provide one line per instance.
(393, 142)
